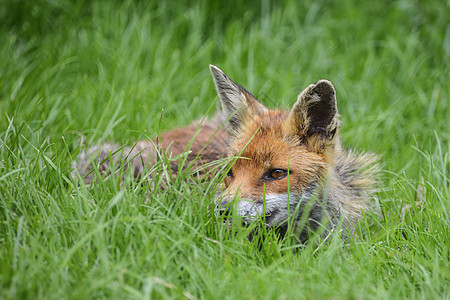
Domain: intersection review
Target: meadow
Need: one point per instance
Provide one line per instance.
(123, 71)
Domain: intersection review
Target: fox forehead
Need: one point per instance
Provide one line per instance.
(269, 125)
(265, 141)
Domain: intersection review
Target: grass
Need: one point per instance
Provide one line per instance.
(121, 71)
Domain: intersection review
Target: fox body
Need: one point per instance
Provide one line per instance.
(287, 165)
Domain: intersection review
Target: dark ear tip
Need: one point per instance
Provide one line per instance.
(324, 88)
(215, 70)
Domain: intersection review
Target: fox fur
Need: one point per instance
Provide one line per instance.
(288, 165)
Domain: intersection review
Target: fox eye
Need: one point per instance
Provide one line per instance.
(276, 174)
(230, 174)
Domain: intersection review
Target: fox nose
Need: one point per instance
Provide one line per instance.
(224, 208)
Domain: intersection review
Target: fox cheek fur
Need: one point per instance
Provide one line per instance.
(304, 142)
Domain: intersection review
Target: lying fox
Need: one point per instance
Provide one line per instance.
(287, 163)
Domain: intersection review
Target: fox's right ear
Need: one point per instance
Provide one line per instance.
(238, 104)
(314, 116)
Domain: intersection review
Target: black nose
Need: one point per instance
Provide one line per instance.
(224, 208)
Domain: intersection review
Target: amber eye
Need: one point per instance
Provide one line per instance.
(276, 174)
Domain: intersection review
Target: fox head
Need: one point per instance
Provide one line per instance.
(282, 157)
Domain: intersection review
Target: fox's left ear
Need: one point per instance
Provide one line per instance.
(238, 104)
(314, 116)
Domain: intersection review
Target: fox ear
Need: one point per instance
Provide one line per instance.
(314, 116)
(238, 104)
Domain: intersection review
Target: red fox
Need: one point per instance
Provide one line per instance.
(287, 163)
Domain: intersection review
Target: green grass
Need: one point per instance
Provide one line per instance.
(123, 71)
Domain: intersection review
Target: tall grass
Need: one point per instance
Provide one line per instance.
(123, 71)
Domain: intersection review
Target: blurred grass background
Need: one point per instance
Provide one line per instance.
(124, 70)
